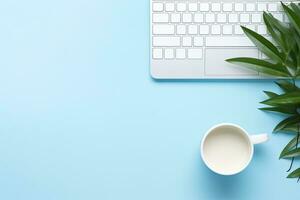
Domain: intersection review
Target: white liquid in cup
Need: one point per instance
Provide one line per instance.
(227, 150)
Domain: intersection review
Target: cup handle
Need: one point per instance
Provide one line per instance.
(257, 139)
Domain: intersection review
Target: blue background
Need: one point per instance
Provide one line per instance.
(82, 119)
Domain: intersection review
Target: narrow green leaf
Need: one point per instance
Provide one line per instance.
(283, 109)
(261, 66)
(287, 86)
(294, 174)
(288, 98)
(263, 45)
(291, 128)
(278, 30)
(270, 94)
(293, 17)
(289, 146)
(296, 36)
(288, 121)
(292, 153)
(296, 9)
(291, 59)
(271, 29)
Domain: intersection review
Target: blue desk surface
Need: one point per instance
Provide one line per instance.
(82, 119)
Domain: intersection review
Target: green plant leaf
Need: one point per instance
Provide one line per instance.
(287, 86)
(286, 122)
(296, 8)
(268, 19)
(294, 174)
(263, 45)
(261, 66)
(289, 146)
(279, 109)
(292, 15)
(296, 37)
(292, 153)
(279, 31)
(292, 128)
(291, 60)
(270, 94)
(287, 98)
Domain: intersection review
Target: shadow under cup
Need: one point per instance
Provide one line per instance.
(226, 149)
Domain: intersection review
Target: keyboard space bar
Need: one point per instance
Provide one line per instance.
(238, 41)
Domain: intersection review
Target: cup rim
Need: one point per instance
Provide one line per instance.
(232, 125)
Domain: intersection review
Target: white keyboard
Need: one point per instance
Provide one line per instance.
(185, 33)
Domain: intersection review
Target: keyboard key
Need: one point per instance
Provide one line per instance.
(180, 53)
(181, 7)
(187, 17)
(238, 30)
(198, 17)
(227, 7)
(239, 7)
(160, 18)
(204, 29)
(186, 41)
(157, 53)
(227, 29)
(245, 18)
(193, 7)
(209, 18)
(163, 29)
(250, 7)
(192, 29)
(170, 7)
(256, 18)
(166, 41)
(175, 17)
(261, 6)
(181, 29)
(233, 18)
(228, 41)
(169, 53)
(158, 7)
(261, 29)
(215, 7)
(215, 29)
(272, 7)
(204, 7)
(198, 41)
(222, 18)
(195, 53)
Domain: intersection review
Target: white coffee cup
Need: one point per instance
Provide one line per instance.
(227, 149)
